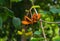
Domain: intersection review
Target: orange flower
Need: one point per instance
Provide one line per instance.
(34, 18)
(39, 16)
(27, 19)
(26, 22)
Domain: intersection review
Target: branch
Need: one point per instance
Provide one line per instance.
(49, 22)
(40, 22)
(53, 22)
(34, 8)
(43, 31)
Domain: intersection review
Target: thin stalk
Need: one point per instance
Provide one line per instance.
(23, 38)
(34, 8)
(50, 22)
(43, 30)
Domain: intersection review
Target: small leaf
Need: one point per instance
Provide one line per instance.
(16, 22)
(19, 32)
(33, 39)
(28, 33)
(37, 32)
(36, 6)
(37, 39)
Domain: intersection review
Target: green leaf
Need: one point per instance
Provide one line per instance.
(5, 12)
(1, 22)
(58, 10)
(37, 32)
(57, 38)
(4, 38)
(42, 11)
(36, 6)
(16, 22)
(34, 39)
(37, 39)
(53, 10)
(47, 19)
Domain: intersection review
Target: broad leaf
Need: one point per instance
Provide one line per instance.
(53, 10)
(58, 10)
(16, 22)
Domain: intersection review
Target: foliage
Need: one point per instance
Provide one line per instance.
(12, 14)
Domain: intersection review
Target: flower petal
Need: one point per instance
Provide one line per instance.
(26, 22)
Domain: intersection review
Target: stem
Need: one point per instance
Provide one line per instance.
(43, 31)
(23, 38)
(34, 8)
(31, 9)
(50, 22)
(41, 22)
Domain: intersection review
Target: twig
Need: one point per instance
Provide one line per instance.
(43, 31)
(53, 22)
(50, 22)
(31, 9)
(40, 22)
(34, 8)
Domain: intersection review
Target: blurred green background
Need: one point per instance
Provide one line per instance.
(12, 13)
